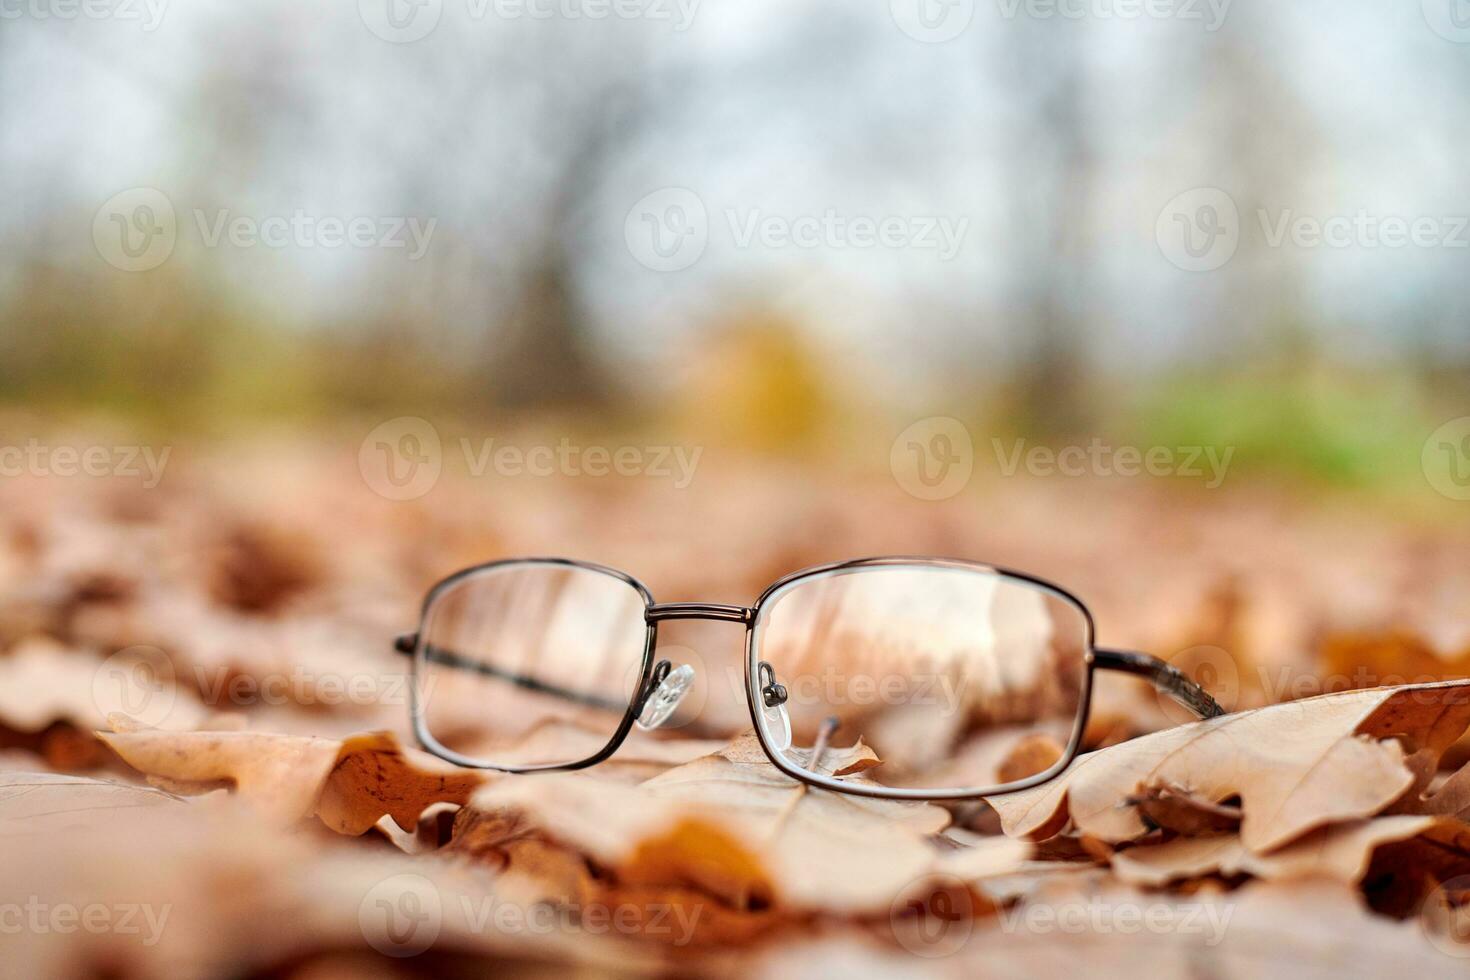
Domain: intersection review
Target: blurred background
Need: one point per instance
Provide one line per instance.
(303, 308)
(790, 228)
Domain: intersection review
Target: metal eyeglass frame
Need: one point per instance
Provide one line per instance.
(1165, 677)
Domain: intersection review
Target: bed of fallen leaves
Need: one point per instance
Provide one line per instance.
(262, 811)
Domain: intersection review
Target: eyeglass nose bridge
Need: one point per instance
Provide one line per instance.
(660, 611)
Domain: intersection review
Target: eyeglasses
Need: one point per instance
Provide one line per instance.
(939, 666)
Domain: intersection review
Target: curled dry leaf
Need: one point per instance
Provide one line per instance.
(1343, 852)
(349, 784)
(1294, 767)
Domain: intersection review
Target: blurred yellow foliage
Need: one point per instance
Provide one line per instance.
(758, 383)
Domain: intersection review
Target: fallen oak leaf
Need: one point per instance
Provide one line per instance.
(1295, 766)
(374, 776)
(348, 784)
(281, 775)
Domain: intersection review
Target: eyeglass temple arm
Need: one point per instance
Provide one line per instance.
(408, 644)
(1169, 679)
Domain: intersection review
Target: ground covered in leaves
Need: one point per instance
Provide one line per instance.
(255, 806)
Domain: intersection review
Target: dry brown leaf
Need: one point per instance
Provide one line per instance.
(641, 756)
(211, 890)
(734, 827)
(1343, 852)
(43, 682)
(1299, 930)
(349, 784)
(985, 857)
(1294, 766)
(1452, 798)
(1392, 657)
(51, 803)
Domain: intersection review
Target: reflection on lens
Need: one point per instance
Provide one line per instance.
(957, 677)
(529, 663)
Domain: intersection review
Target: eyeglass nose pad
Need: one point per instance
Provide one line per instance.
(660, 705)
(773, 708)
